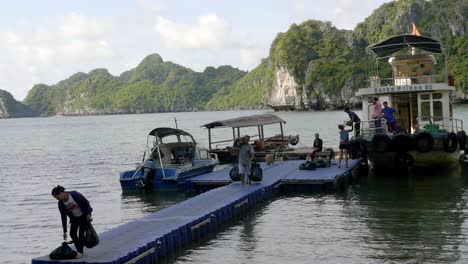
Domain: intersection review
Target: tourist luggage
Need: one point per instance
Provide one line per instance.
(308, 165)
(256, 172)
(63, 252)
(234, 173)
(91, 237)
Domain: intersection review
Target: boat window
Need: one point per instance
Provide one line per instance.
(438, 111)
(184, 138)
(436, 96)
(203, 154)
(425, 110)
(425, 97)
(170, 139)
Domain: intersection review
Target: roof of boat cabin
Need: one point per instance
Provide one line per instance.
(246, 121)
(168, 131)
(396, 43)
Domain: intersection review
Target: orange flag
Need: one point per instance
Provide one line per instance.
(415, 30)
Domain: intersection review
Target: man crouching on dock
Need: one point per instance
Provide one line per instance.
(246, 154)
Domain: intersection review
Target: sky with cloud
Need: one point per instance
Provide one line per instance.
(47, 41)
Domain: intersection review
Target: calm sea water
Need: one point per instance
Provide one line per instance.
(411, 219)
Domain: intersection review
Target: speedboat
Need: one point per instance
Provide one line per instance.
(171, 157)
(427, 134)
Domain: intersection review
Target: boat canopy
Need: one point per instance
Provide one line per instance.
(162, 132)
(247, 121)
(394, 44)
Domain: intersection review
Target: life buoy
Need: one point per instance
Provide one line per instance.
(423, 142)
(381, 143)
(404, 160)
(462, 139)
(293, 140)
(402, 142)
(450, 142)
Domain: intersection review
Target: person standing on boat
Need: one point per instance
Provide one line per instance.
(318, 146)
(344, 144)
(354, 119)
(74, 205)
(389, 116)
(246, 154)
(377, 114)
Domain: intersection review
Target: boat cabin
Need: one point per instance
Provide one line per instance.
(170, 146)
(419, 96)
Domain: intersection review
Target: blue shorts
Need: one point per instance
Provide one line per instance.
(244, 169)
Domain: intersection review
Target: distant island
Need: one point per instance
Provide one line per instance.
(311, 66)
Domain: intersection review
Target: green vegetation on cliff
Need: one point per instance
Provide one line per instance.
(9, 107)
(153, 86)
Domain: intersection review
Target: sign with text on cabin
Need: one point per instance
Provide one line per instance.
(404, 88)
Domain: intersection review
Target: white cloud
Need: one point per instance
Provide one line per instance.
(154, 5)
(49, 51)
(210, 32)
(251, 57)
(299, 7)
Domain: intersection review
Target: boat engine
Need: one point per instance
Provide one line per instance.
(149, 172)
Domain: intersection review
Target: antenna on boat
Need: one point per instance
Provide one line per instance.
(175, 120)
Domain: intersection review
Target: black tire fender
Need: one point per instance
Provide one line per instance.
(462, 139)
(450, 142)
(381, 142)
(423, 142)
(402, 142)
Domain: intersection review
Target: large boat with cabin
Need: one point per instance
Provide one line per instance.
(426, 132)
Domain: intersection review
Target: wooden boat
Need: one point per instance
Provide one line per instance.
(226, 150)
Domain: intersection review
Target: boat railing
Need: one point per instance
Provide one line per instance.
(441, 123)
(371, 127)
(404, 81)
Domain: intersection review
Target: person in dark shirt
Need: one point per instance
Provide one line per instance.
(388, 113)
(318, 145)
(354, 119)
(74, 205)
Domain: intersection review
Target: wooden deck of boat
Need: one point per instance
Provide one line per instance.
(160, 234)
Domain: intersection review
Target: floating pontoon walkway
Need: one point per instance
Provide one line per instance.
(161, 234)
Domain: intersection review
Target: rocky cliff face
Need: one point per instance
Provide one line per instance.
(284, 94)
(10, 108)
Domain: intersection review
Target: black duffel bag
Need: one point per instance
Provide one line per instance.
(91, 237)
(256, 172)
(63, 252)
(234, 173)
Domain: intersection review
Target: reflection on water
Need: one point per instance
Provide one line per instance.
(399, 219)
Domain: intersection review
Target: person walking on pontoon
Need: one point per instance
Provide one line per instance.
(246, 154)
